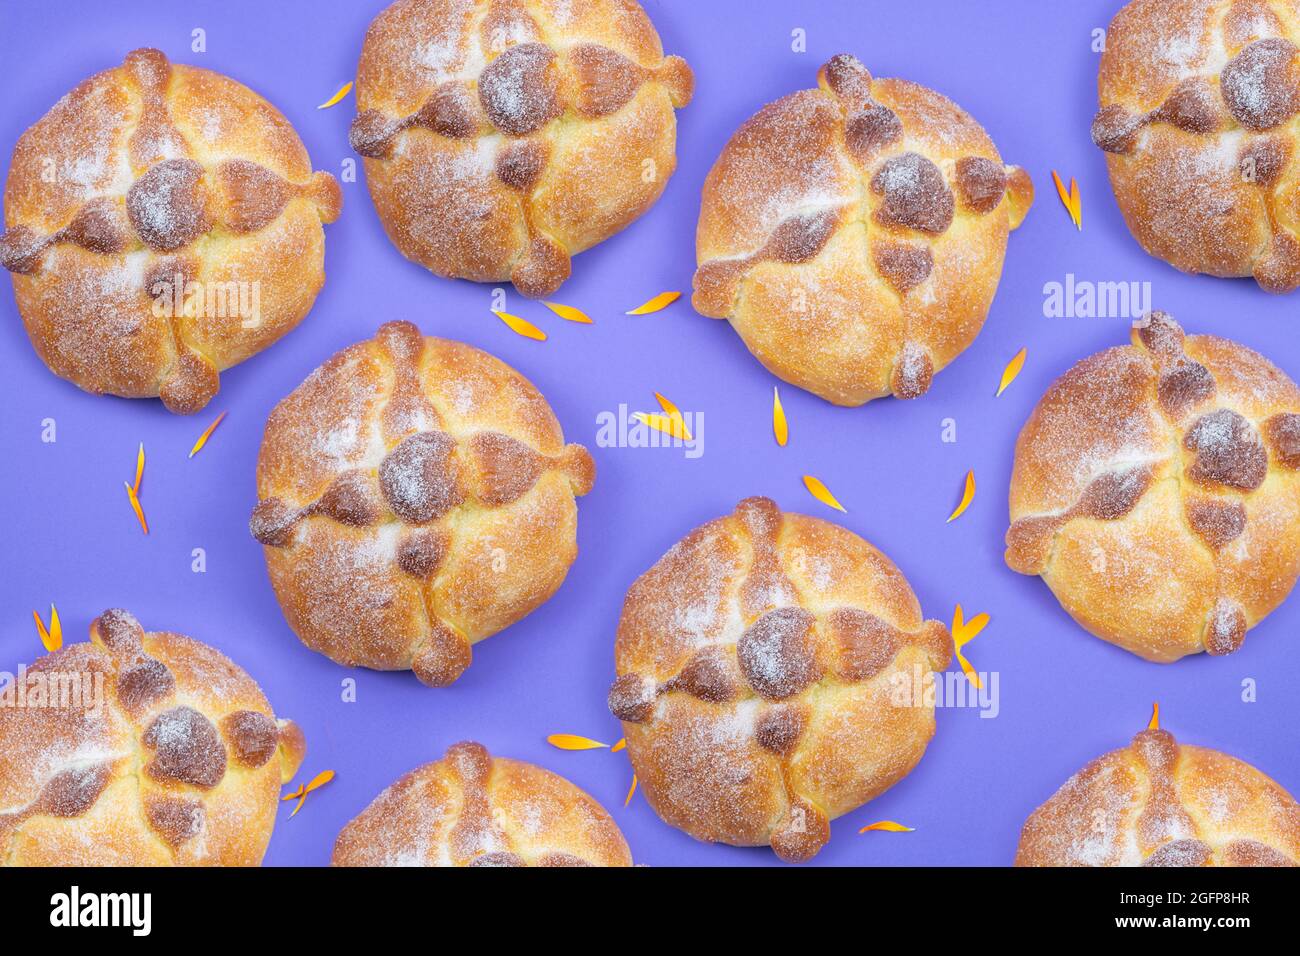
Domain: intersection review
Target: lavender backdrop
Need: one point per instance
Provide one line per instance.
(1025, 69)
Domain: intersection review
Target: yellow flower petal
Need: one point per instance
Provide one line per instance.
(630, 790)
(963, 631)
(56, 628)
(521, 326)
(780, 427)
(47, 640)
(568, 313)
(822, 493)
(1012, 370)
(322, 778)
(139, 468)
(661, 301)
(344, 90)
(1154, 722)
(135, 506)
(969, 671)
(207, 433)
(967, 495)
(1070, 199)
(618, 746)
(887, 825)
(574, 742)
(667, 424)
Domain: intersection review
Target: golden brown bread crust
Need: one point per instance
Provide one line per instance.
(1156, 490)
(1158, 803)
(1198, 120)
(853, 234)
(180, 762)
(502, 137)
(416, 496)
(472, 809)
(757, 667)
(148, 172)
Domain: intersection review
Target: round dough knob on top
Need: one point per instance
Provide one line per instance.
(761, 668)
(162, 223)
(853, 234)
(503, 137)
(416, 496)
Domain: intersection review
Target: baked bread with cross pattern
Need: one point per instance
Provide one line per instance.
(143, 749)
(772, 674)
(1160, 803)
(503, 137)
(1199, 100)
(163, 223)
(416, 496)
(473, 809)
(1156, 489)
(854, 234)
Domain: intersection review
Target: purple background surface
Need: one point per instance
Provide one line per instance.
(1024, 69)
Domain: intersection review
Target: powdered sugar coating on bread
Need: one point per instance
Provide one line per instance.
(1159, 803)
(473, 809)
(759, 663)
(175, 758)
(162, 224)
(1156, 491)
(416, 496)
(502, 137)
(1198, 105)
(853, 234)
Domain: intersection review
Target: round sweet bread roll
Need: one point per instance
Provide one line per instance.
(853, 234)
(473, 809)
(416, 496)
(139, 749)
(1198, 106)
(771, 676)
(1156, 489)
(1160, 803)
(502, 137)
(163, 223)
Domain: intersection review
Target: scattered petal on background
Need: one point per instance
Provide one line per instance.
(207, 433)
(888, 826)
(677, 428)
(622, 742)
(52, 638)
(780, 427)
(822, 493)
(139, 469)
(318, 781)
(1154, 722)
(630, 791)
(668, 424)
(967, 495)
(568, 313)
(337, 98)
(521, 326)
(574, 742)
(1012, 370)
(135, 506)
(661, 301)
(963, 632)
(1070, 199)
